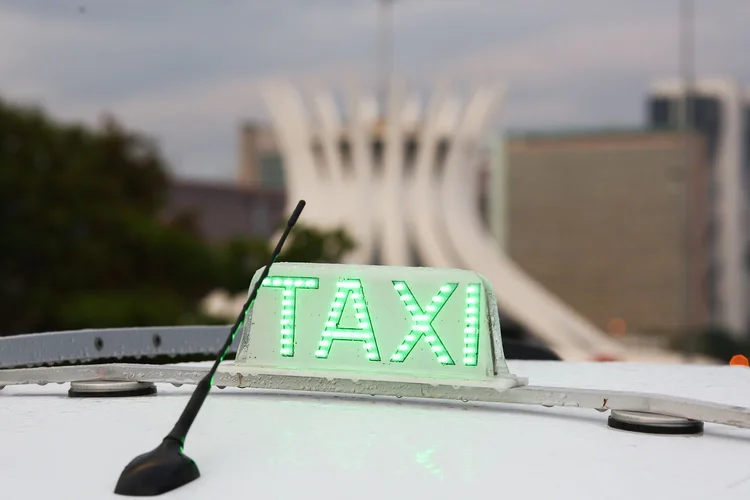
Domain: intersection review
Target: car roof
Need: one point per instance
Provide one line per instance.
(249, 443)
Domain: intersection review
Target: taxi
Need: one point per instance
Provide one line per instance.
(370, 382)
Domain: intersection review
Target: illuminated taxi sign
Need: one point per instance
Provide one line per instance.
(423, 322)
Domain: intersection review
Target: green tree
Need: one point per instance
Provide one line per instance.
(241, 258)
(84, 242)
(308, 244)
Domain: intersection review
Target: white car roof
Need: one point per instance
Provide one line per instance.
(251, 444)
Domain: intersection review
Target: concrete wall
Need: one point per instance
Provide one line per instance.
(598, 219)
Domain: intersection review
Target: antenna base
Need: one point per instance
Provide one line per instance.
(159, 471)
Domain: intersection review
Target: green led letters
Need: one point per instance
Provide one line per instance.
(422, 322)
(346, 289)
(350, 294)
(289, 286)
(471, 330)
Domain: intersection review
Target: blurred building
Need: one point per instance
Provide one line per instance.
(260, 162)
(720, 110)
(226, 211)
(598, 219)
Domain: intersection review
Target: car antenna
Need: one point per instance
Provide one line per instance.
(166, 467)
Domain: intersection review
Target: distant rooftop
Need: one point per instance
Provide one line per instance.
(226, 211)
(573, 132)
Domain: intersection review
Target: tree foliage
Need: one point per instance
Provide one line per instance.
(83, 240)
(243, 257)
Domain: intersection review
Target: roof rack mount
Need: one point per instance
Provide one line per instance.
(360, 330)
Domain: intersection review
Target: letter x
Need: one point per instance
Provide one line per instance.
(422, 322)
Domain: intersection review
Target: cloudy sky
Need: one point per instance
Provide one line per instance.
(188, 72)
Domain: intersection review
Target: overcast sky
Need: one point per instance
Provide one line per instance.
(187, 71)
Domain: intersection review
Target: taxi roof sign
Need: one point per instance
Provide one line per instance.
(397, 321)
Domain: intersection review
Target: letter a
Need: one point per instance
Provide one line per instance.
(349, 288)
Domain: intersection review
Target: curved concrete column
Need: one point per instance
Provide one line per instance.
(437, 214)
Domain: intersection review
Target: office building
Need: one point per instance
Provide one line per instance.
(720, 111)
(599, 220)
(260, 162)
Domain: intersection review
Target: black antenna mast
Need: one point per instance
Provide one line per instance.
(166, 467)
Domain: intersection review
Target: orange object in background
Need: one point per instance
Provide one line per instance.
(739, 360)
(617, 327)
(604, 358)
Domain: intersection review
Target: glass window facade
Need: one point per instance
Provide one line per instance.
(661, 114)
(664, 113)
(271, 170)
(707, 117)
